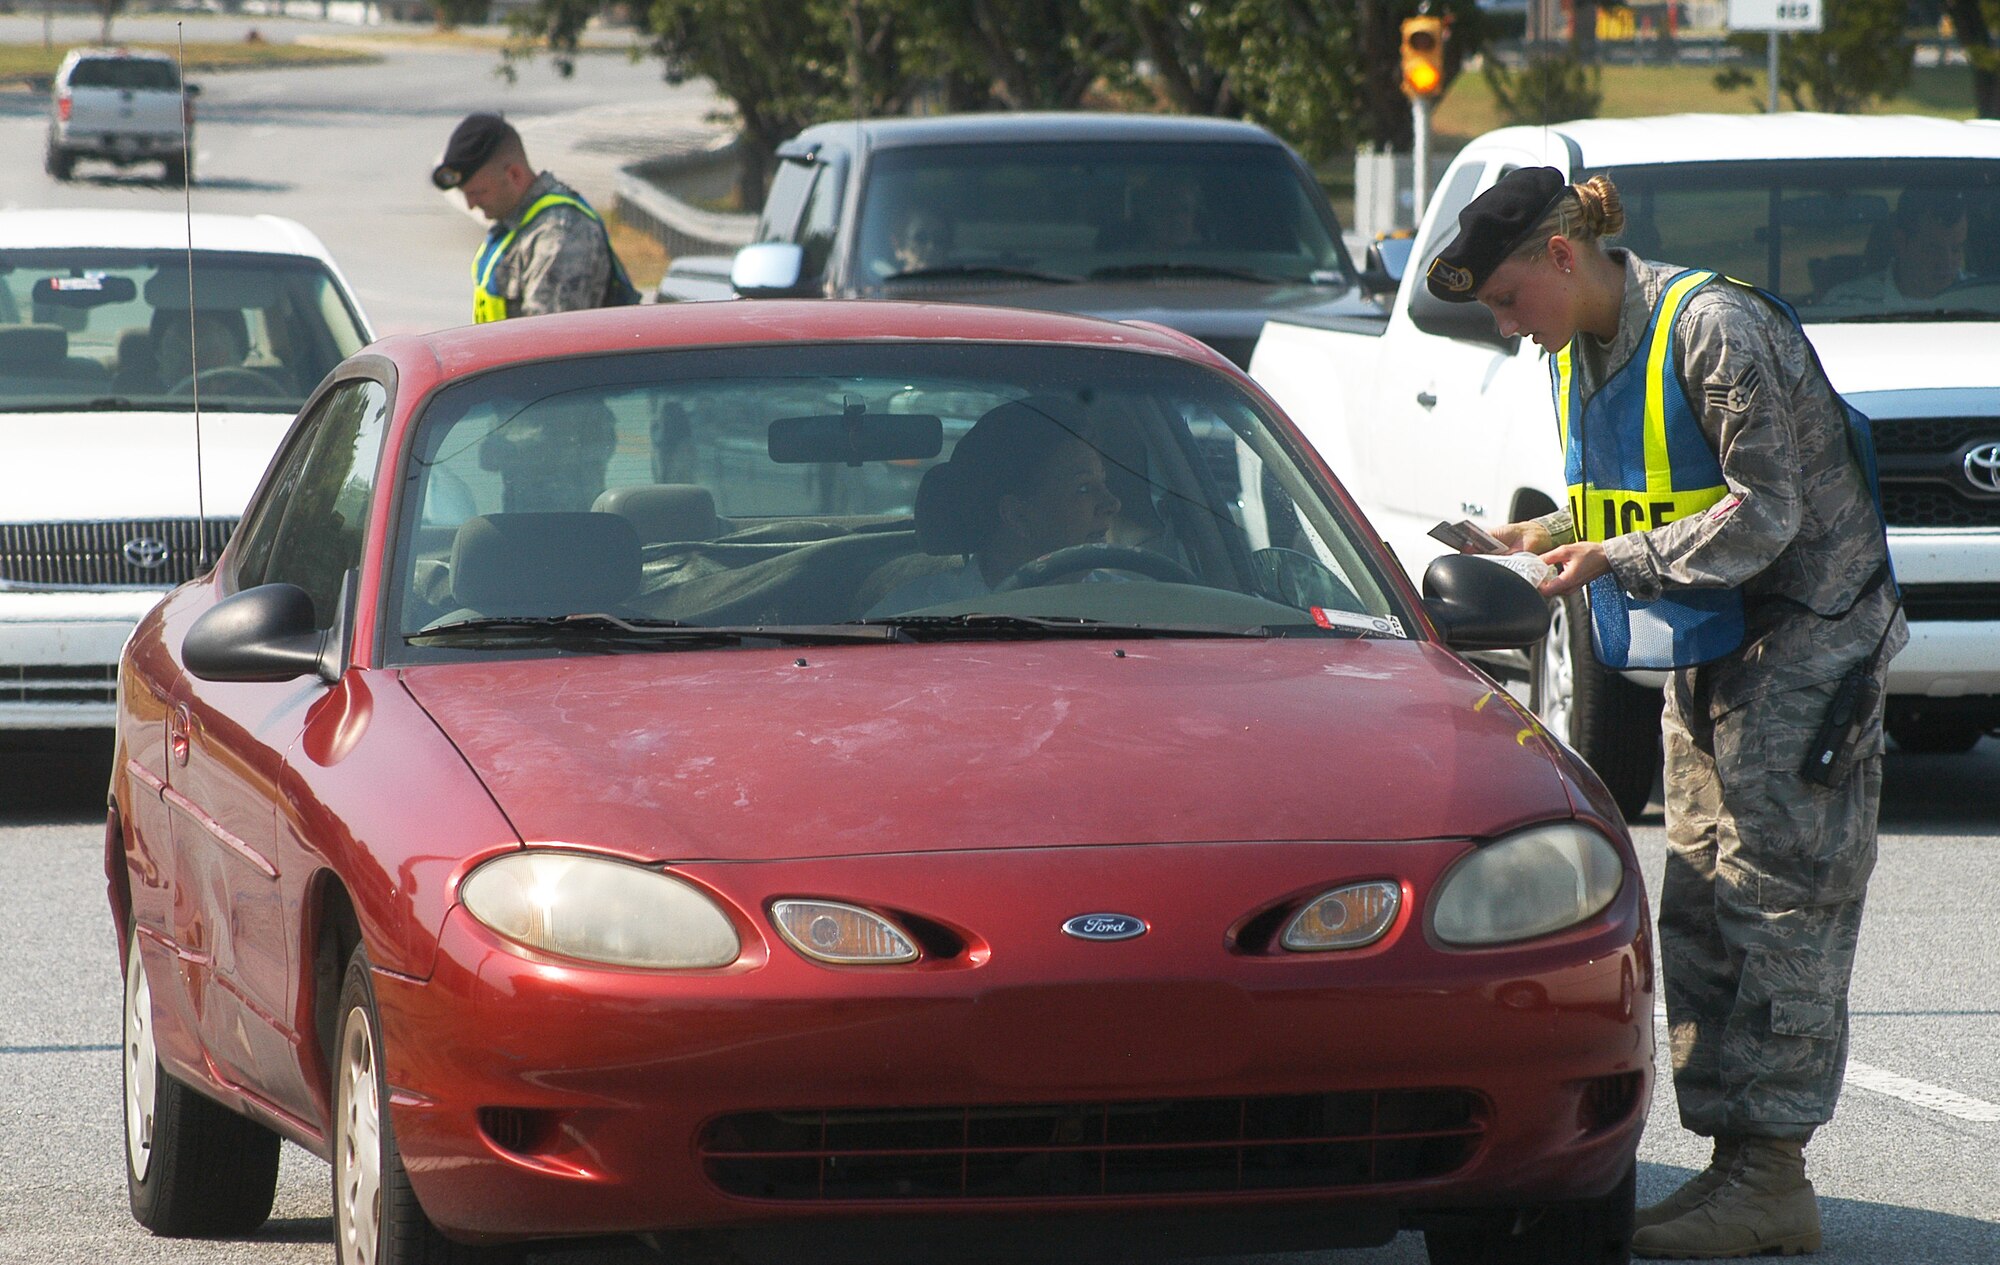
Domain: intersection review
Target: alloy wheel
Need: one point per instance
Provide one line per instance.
(1558, 678)
(142, 1065)
(358, 1144)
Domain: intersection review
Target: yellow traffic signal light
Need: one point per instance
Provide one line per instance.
(1423, 56)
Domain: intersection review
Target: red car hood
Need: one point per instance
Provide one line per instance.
(756, 755)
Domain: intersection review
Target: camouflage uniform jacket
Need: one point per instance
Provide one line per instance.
(561, 262)
(1798, 531)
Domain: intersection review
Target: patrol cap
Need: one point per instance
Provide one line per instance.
(473, 141)
(1490, 227)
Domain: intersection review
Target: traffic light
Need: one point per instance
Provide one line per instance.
(1423, 57)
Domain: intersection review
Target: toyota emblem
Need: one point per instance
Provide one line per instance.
(148, 553)
(1982, 468)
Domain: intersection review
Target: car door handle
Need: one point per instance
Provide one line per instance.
(1426, 399)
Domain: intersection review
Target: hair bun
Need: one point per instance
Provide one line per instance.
(1603, 210)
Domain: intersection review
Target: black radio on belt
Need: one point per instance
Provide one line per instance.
(1832, 750)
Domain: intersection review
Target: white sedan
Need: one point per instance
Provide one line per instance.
(137, 412)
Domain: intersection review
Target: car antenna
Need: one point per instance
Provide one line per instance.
(194, 362)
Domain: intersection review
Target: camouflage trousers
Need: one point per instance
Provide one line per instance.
(1760, 909)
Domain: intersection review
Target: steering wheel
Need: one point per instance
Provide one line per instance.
(1095, 557)
(231, 380)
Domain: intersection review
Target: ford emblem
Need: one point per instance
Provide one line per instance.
(148, 553)
(1104, 927)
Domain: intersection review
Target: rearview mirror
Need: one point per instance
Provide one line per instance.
(89, 290)
(855, 437)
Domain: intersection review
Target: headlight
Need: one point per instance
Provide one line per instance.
(1529, 884)
(1344, 918)
(828, 931)
(601, 911)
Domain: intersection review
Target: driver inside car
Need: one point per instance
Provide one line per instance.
(1022, 484)
(220, 341)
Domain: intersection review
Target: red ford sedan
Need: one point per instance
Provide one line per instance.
(869, 779)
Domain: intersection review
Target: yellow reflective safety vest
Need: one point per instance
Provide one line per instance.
(1635, 458)
(488, 306)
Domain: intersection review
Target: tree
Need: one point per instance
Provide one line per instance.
(1977, 25)
(1860, 57)
(1035, 54)
(1551, 88)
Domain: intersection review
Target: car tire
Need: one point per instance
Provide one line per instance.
(193, 1168)
(1922, 734)
(1613, 724)
(376, 1217)
(177, 169)
(59, 162)
(1595, 1232)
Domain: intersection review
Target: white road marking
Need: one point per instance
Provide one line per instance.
(1915, 1092)
(1920, 1094)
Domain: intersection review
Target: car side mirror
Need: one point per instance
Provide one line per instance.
(266, 633)
(1388, 258)
(768, 270)
(1470, 322)
(1480, 606)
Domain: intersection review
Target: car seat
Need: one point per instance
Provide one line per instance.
(544, 564)
(663, 513)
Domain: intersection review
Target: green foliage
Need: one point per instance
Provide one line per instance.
(1553, 88)
(1860, 58)
(456, 13)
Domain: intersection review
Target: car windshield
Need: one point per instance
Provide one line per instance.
(1850, 240)
(1092, 211)
(883, 491)
(88, 330)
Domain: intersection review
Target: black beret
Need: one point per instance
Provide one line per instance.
(472, 143)
(1490, 227)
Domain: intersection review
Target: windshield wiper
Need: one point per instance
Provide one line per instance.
(587, 626)
(1142, 272)
(977, 272)
(977, 625)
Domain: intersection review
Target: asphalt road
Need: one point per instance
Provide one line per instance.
(347, 151)
(1905, 1172)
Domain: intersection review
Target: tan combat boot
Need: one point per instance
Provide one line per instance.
(1694, 1190)
(1766, 1205)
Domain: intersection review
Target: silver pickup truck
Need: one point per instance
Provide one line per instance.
(121, 107)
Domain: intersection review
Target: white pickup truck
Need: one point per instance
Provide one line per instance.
(120, 107)
(1428, 414)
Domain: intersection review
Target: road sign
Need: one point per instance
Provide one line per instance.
(1777, 15)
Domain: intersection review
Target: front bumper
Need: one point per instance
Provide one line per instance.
(59, 654)
(1031, 1075)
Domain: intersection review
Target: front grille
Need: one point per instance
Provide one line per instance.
(1951, 601)
(91, 555)
(1087, 1150)
(1923, 471)
(49, 686)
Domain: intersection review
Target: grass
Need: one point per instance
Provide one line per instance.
(22, 63)
(645, 259)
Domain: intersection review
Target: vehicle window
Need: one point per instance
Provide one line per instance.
(1450, 200)
(789, 189)
(139, 73)
(1841, 240)
(833, 484)
(80, 327)
(307, 526)
(1105, 211)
